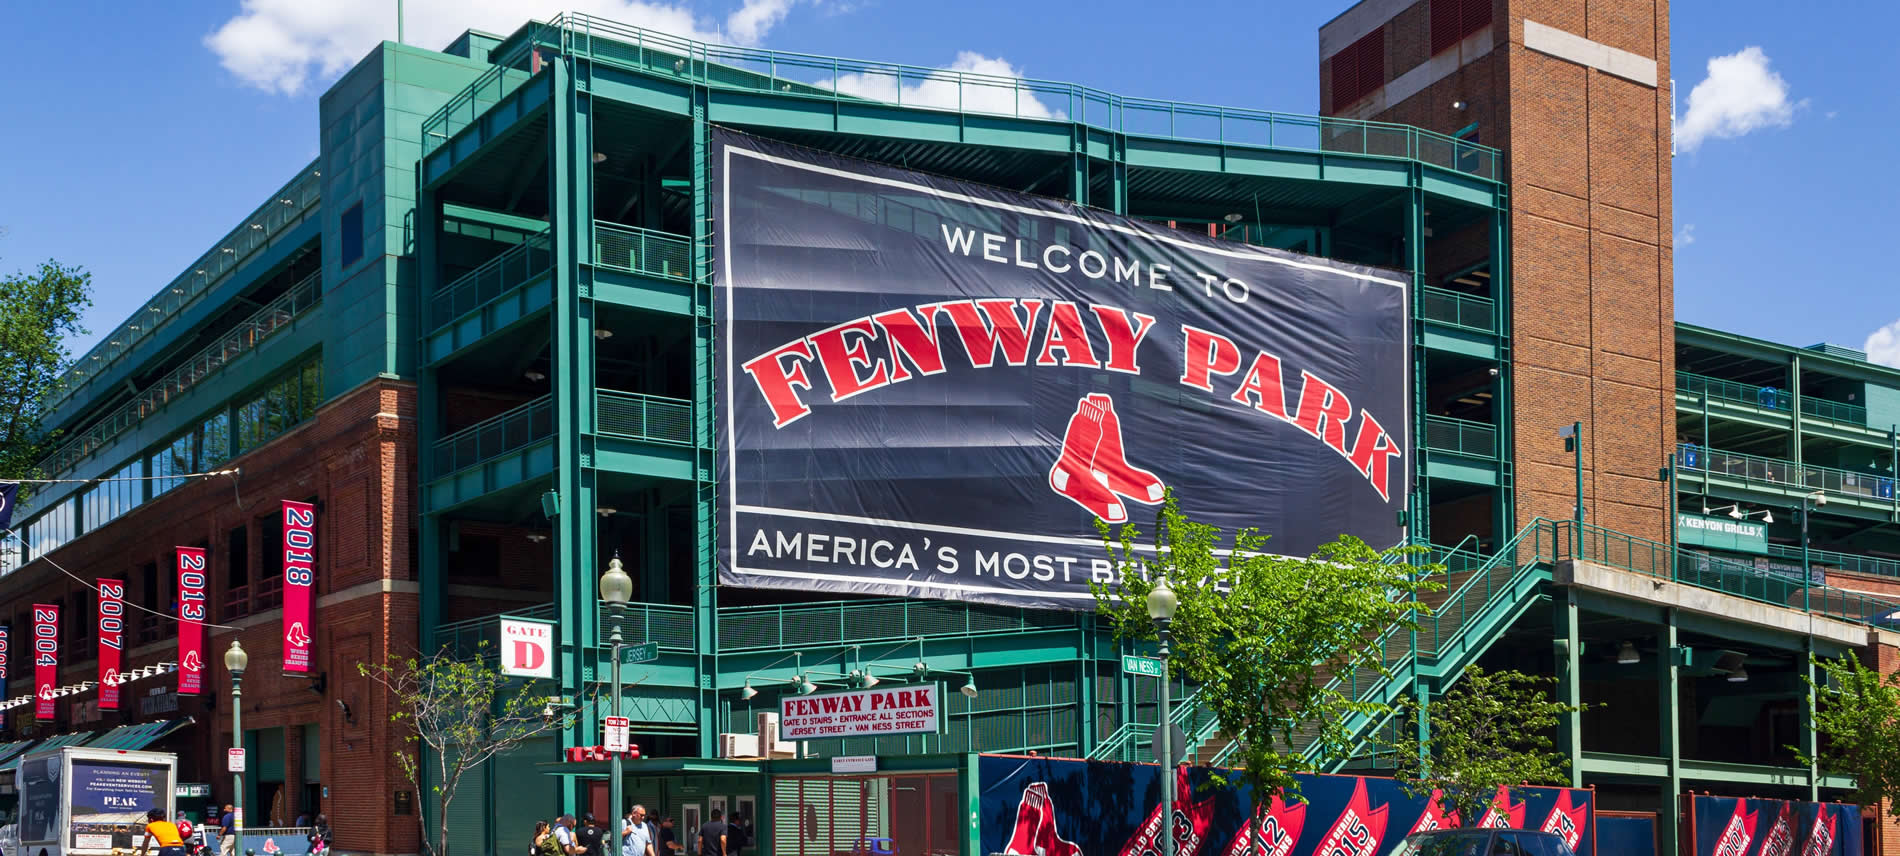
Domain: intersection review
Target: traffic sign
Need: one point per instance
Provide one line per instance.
(234, 760)
(1177, 744)
(1150, 666)
(640, 653)
(618, 730)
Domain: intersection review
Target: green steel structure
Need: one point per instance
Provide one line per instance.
(520, 226)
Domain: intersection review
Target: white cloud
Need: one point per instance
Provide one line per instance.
(984, 85)
(280, 46)
(1740, 95)
(1832, 113)
(1883, 345)
(1685, 235)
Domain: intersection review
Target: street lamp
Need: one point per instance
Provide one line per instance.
(1573, 442)
(1808, 504)
(1162, 603)
(616, 588)
(234, 662)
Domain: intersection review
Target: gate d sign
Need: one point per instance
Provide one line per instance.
(527, 648)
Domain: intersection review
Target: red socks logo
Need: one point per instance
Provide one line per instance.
(1093, 470)
(1035, 833)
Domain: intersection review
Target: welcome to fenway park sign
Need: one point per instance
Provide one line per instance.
(932, 388)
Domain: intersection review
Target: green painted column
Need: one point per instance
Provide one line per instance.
(972, 835)
(1794, 415)
(1506, 523)
(1079, 164)
(428, 425)
(1569, 679)
(1118, 181)
(705, 376)
(1668, 725)
(1422, 690)
(1085, 685)
(1809, 742)
(1419, 523)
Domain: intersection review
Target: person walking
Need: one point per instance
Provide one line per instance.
(712, 836)
(590, 838)
(170, 843)
(669, 840)
(227, 831)
(564, 835)
(543, 842)
(638, 837)
(319, 835)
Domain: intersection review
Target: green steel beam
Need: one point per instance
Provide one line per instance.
(428, 421)
(1569, 642)
(1669, 728)
(705, 572)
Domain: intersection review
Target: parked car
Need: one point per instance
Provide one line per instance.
(1483, 842)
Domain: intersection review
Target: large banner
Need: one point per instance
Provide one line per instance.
(934, 388)
(191, 620)
(45, 659)
(4, 654)
(111, 640)
(1733, 826)
(1046, 807)
(300, 576)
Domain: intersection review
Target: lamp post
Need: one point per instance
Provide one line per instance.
(1161, 605)
(1573, 442)
(1808, 503)
(616, 588)
(234, 661)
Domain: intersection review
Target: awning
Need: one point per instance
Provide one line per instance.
(134, 737)
(8, 750)
(49, 743)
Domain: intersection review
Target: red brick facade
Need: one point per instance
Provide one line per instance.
(357, 458)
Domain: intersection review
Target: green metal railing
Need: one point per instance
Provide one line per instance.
(519, 264)
(837, 79)
(643, 417)
(289, 206)
(463, 639)
(278, 315)
(1848, 562)
(858, 621)
(1128, 742)
(642, 250)
(1769, 398)
(1457, 309)
(668, 624)
(474, 100)
(1754, 469)
(495, 436)
(1461, 436)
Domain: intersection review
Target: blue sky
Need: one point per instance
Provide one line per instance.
(154, 128)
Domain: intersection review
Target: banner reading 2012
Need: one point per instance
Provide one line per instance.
(933, 388)
(300, 576)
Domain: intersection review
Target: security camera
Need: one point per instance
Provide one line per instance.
(547, 713)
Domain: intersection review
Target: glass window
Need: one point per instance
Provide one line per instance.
(350, 237)
(216, 448)
(1470, 843)
(1529, 844)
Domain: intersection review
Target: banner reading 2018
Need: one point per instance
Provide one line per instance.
(933, 388)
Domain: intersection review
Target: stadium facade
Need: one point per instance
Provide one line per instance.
(482, 334)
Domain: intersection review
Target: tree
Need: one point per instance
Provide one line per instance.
(463, 712)
(1491, 731)
(38, 312)
(1857, 726)
(1261, 635)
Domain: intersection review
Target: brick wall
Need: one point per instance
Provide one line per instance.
(357, 457)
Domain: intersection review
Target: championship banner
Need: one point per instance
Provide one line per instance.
(934, 388)
(111, 640)
(4, 653)
(1733, 826)
(300, 572)
(1030, 806)
(45, 658)
(191, 619)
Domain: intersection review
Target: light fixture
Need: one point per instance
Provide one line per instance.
(1459, 105)
(920, 670)
(1162, 601)
(805, 686)
(603, 334)
(1735, 512)
(1233, 218)
(535, 376)
(235, 659)
(537, 537)
(968, 688)
(1705, 509)
(1767, 517)
(1627, 654)
(1739, 676)
(748, 692)
(615, 586)
(864, 678)
(606, 510)
(599, 158)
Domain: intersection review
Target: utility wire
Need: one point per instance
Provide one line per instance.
(94, 586)
(230, 472)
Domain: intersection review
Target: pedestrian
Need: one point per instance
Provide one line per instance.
(712, 836)
(638, 837)
(590, 839)
(564, 835)
(319, 835)
(544, 843)
(669, 841)
(170, 843)
(227, 831)
(738, 835)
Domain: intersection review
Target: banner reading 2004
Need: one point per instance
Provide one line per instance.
(932, 388)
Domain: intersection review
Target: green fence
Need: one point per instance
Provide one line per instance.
(857, 621)
(474, 100)
(1849, 562)
(495, 436)
(1462, 436)
(1769, 398)
(642, 250)
(668, 624)
(519, 264)
(1457, 309)
(1773, 472)
(643, 417)
(245, 337)
(1833, 411)
(464, 639)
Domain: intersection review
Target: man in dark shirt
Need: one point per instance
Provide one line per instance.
(590, 836)
(669, 843)
(712, 836)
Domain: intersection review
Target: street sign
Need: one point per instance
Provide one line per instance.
(618, 730)
(640, 653)
(1150, 666)
(1177, 744)
(234, 760)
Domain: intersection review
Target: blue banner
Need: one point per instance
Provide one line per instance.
(1735, 826)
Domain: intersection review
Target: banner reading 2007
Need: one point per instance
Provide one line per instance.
(933, 388)
(300, 572)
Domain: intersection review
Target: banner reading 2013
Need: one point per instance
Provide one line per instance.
(300, 573)
(933, 388)
(191, 620)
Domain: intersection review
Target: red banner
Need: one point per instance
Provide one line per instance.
(45, 658)
(300, 577)
(191, 619)
(111, 640)
(3, 662)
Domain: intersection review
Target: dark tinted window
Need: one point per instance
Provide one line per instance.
(1470, 843)
(1529, 844)
(350, 234)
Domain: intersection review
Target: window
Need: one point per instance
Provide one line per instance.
(238, 543)
(173, 460)
(111, 499)
(51, 531)
(350, 239)
(1359, 69)
(1469, 159)
(1454, 20)
(216, 436)
(287, 402)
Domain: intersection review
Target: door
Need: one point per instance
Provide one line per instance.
(742, 815)
(691, 818)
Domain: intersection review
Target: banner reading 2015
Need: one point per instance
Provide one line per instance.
(300, 573)
(932, 388)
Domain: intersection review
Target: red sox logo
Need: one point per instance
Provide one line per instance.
(192, 663)
(1093, 469)
(297, 636)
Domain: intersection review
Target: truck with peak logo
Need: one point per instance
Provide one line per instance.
(77, 801)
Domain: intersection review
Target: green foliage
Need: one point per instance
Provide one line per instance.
(459, 713)
(1492, 730)
(38, 312)
(1857, 723)
(1261, 635)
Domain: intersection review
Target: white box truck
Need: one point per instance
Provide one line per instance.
(86, 802)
